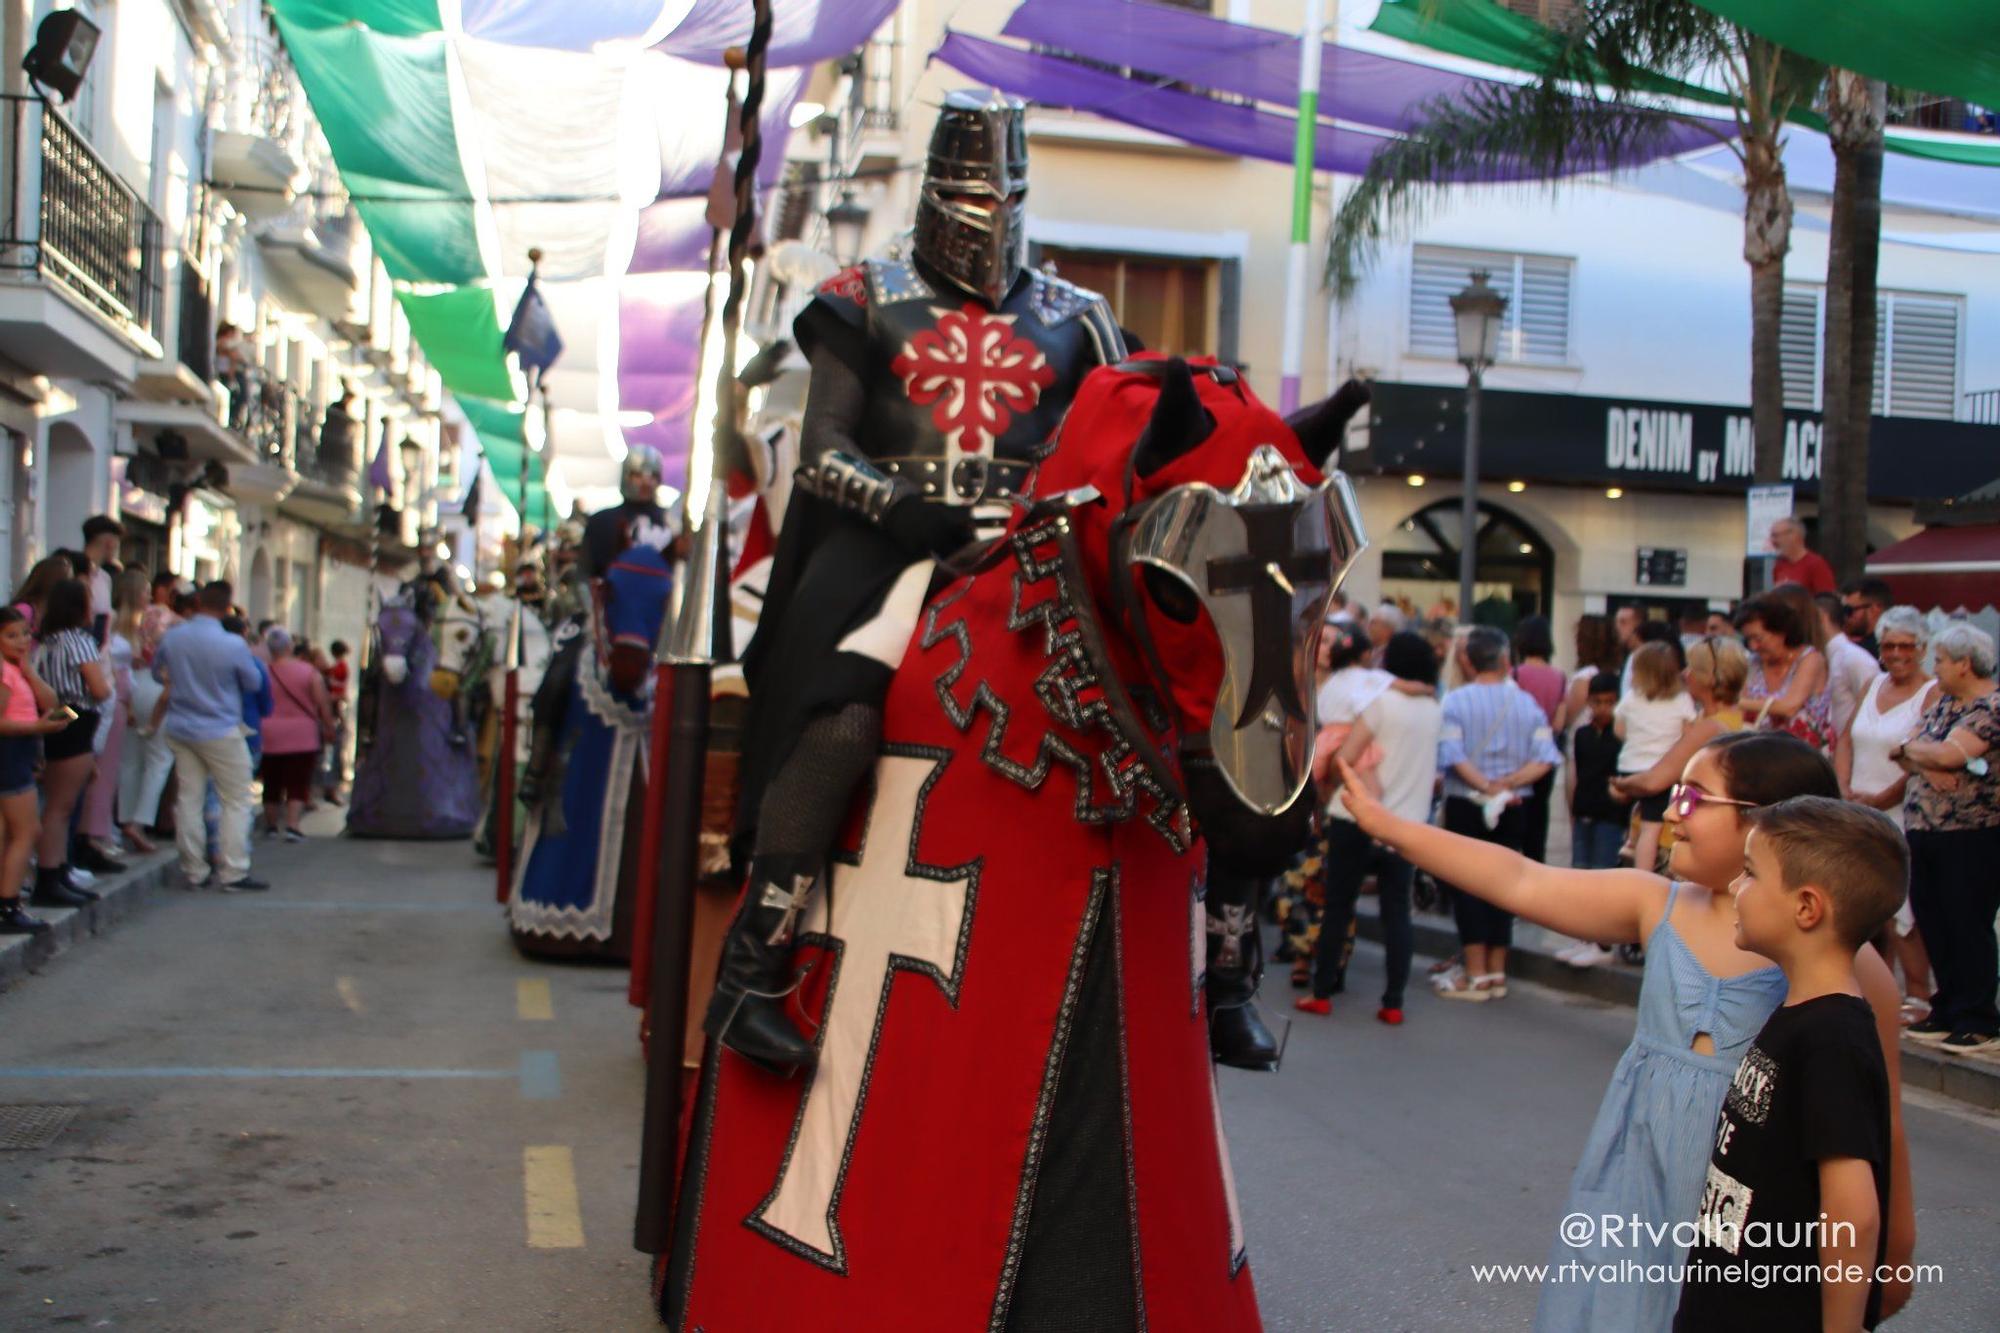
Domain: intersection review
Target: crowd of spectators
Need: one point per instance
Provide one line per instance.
(1469, 728)
(117, 686)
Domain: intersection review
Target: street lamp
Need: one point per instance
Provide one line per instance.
(1476, 311)
(846, 222)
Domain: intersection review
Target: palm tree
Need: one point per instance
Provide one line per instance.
(1597, 104)
(1855, 111)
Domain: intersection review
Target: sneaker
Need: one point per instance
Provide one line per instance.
(1969, 1043)
(1393, 1017)
(14, 921)
(270, 832)
(77, 877)
(1590, 955)
(1931, 1031)
(294, 835)
(248, 884)
(192, 883)
(1313, 1004)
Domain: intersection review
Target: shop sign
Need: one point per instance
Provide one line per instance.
(1662, 567)
(1552, 437)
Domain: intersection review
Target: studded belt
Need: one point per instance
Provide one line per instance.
(963, 481)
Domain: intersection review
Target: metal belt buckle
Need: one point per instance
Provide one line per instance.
(969, 477)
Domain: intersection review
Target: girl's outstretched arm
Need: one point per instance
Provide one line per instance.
(1610, 906)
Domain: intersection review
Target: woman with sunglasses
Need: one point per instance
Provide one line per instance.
(1701, 1002)
(1890, 713)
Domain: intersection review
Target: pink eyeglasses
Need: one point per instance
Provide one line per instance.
(1684, 800)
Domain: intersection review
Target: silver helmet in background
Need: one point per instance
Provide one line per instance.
(972, 215)
(641, 461)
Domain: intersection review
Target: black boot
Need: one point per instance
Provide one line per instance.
(1237, 1036)
(88, 855)
(51, 891)
(747, 1013)
(14, 921)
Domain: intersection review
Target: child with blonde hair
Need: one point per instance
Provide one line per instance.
(1648, 721)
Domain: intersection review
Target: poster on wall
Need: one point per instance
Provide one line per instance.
(1764, 506)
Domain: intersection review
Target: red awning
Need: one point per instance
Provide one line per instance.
(1947, 568)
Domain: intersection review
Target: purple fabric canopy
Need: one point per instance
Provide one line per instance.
(1359, 87)
(673, 236)
(560, 27)
(803, 32)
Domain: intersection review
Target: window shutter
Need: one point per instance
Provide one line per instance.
(1923, 356)
(1798, 347)
(1536, 326)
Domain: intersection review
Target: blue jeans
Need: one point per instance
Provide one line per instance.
(1594, 843)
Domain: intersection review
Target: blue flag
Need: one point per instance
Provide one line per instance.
(531, 335)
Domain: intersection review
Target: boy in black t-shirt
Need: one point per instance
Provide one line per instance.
(1792, 1225)
(1597, 818)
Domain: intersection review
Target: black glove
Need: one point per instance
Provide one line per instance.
(926, 529)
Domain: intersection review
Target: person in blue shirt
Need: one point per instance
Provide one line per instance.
(207, 672)
(257, 705)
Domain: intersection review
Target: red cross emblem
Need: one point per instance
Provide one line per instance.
(975, 374)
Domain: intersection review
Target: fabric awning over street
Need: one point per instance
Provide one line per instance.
(1951, 569)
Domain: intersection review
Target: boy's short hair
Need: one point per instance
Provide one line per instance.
(217, 596)
(1855, 854)
(1604, 682)
(102, 525)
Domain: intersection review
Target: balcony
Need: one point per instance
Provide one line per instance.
(316, 259)
(80, 263)
(257, 158)
(184, 326)
(327, 468)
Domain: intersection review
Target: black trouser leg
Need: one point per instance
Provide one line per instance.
(1347, 857)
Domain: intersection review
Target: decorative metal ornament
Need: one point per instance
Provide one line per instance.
(1264, 560)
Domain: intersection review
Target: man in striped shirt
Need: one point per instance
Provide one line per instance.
(1495, 745)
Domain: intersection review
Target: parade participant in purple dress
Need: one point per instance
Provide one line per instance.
(418, 777)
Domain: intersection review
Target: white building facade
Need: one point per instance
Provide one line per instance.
(186, 188)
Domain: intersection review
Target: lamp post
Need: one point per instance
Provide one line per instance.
(846, 224)
(1476, 311)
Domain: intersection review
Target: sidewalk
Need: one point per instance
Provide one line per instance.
(1974, 1079)
(70, 926)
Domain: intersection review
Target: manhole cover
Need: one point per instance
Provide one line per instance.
(33, 1126)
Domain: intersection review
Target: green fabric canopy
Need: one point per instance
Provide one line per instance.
(459, 331)
(1935, 46)
(398, 18)
(1483, 30)
(402, 168)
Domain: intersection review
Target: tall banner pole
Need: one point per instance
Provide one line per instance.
(510, 693)
(699, 639)
(1297, 262)
(653, 817)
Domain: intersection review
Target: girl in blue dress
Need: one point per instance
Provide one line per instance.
(1701, 1001)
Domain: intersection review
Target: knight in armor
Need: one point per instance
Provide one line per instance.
(937, 380)
(584, 785)
(638, 519)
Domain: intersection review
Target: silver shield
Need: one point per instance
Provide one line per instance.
(1274, 546)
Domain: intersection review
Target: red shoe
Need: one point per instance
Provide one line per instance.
(1311, 1004)
(1393, 1017)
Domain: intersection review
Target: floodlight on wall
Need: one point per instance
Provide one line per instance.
(64, 44)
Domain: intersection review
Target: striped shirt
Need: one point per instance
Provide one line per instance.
(59, 661)
(1498, 727)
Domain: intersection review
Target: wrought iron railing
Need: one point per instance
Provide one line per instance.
(1982, 407)
(69, 217)
(197, 331)
(265, 420)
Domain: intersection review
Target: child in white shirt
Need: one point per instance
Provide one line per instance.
(1649, 720)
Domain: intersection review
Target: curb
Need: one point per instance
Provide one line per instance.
(124, 895)
(1974, 1080)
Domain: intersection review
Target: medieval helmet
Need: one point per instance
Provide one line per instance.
(979, 152)
(640, 460)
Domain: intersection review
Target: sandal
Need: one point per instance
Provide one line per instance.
(1494, 984)
(1915, 1010)
(1458, 986)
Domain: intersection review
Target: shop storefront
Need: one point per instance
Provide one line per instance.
(1591, 503)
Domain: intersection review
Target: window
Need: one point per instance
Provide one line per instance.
(1535, 330)
(1916, 351)
(1169, 302)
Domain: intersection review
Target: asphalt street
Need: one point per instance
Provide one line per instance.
(350, 1105)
